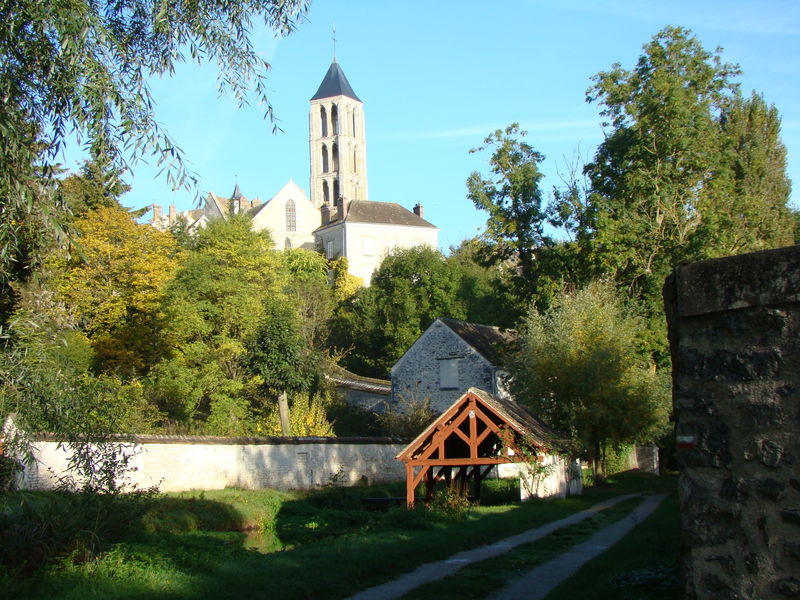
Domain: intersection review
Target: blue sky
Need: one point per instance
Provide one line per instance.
(437, 77)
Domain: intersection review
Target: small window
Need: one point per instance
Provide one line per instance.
(324, 159)
(329, 250)
(448, 374)
(324, 120)
(291, 216)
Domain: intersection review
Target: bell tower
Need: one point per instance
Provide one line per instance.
(337, 141)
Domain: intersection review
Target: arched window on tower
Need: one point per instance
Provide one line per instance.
(335, 156)
(291, 216)
(354, 123)
(335, 190)
(355, 160)
(335, 119)
(326, 193)
(324, 159)
(323, 117)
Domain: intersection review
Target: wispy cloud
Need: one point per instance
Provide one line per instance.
(548, 129)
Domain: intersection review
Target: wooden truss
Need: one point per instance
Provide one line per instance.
(462, 445)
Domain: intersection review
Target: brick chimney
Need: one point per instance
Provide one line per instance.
(325, 212)
(156, 213)
(243, 204)
(172, 215)
(418, 210)
(341, 205)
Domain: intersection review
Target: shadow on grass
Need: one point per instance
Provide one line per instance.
(327, 547)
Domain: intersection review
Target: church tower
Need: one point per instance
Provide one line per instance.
(338, 142)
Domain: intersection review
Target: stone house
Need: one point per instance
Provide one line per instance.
(449, 358)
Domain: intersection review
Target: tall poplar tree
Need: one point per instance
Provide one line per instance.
(688, 169)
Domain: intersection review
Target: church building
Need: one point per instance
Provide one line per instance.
(338, 219)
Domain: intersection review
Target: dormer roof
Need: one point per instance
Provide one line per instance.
(335, 84)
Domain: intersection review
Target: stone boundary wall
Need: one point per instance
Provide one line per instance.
(177, 463)
(564, 478)
(734, 327)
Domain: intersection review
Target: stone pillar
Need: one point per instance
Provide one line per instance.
(734, 327)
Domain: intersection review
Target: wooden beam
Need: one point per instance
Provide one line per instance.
(473, 429)
(459, 462)
(409, 486)
(442, 435)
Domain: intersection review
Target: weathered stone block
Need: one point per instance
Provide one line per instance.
(734, 327)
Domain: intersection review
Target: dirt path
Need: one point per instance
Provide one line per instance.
(540, 581)
(440, 569)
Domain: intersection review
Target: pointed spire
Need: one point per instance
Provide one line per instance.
(335, 84)
(237, 193)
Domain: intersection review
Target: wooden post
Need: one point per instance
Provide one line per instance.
(409, 486)
(429, 483)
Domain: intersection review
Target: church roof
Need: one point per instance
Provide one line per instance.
(335, 84)
(385, 213)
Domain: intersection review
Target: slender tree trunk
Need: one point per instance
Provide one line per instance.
(283, 410)
(597, 464)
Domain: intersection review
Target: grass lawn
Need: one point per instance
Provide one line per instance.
(319, 544)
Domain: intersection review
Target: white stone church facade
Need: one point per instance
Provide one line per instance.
(338, 219)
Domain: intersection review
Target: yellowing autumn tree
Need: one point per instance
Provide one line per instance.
(114, 283)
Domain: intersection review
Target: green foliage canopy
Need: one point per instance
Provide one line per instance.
(688, 170)
(410, 289)
(579, 366)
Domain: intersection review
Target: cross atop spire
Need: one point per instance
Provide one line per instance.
(334, 41)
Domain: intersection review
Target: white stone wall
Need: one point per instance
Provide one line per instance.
(563, 478)
(208, 466)
(367, 244)
(272, 217)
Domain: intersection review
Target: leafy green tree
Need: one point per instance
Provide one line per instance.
(91, 189)
(212, 307)
(279, 355)
(309, 291)
(410, 289)
(579, 366)
(513, 200)
(753, 190)
(486, 291)
(687, 170)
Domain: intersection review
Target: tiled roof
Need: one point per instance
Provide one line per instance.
(387, 213)
(518, 416)
(486, 339)
(335, 84)
(345, 378)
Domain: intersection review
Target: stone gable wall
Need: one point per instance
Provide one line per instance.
(735, 340)
(416, 375)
